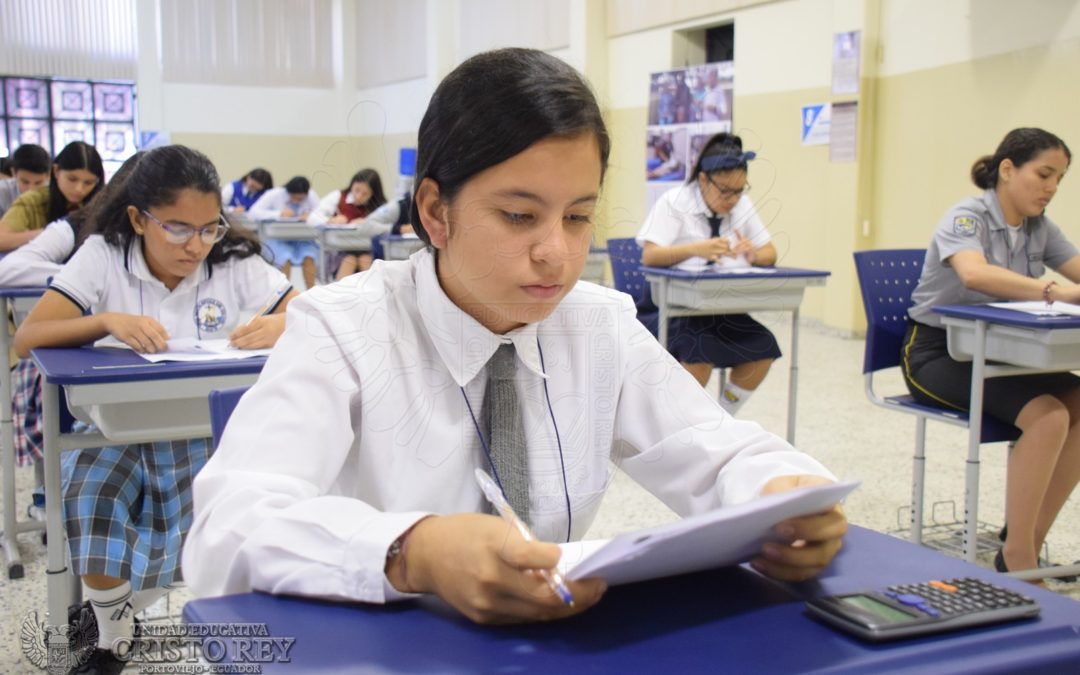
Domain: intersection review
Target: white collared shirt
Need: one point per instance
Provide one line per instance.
(358, 427)
(270, 204)
(681, 215)
(33, 263)
(205, 305)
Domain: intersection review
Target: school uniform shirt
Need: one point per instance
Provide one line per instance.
(978, 224)
(206, 304)
(681, 215)
(33, 263)
(9, 192)
(327, 207)
(358, 427)
(269, 206)
(28, 212)
(235, 194)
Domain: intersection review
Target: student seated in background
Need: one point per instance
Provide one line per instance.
(292, 202)
(161, 263)
(346, 472)
(352, 206)
(29, 171)
(238, 196)
(710, 223)
(6, 168)
(76, 176)
(997, 246)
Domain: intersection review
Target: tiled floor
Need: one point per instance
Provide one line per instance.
(835, 424)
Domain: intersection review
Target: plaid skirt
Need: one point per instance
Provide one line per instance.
(26, 412)
(128, 509)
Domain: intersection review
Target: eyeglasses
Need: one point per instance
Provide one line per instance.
(726, 192)
(181, 233)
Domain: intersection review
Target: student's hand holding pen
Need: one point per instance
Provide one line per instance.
(743, 247)
(808, 543)
(142, 333)
(714, 248)
(484, 568)
(259, 333)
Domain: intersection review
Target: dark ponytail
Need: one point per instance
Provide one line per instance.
(75, 155)
(1020, 146)
(494, 106)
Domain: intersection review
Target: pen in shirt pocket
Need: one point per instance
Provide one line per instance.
(494, 495)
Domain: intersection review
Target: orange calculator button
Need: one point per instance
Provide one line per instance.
(941, 585)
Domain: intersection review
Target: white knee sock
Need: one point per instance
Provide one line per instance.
(140, 600)
(733, 397)
(114, 613)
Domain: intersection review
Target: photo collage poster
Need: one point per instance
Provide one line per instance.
(686, 107)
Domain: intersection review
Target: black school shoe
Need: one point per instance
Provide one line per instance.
(82, 634)
(1043, 563)
(102, 662)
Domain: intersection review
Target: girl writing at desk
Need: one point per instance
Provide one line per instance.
(162, 263)
(710, 223)
(346, 472)
(353, 206)
(997, 246)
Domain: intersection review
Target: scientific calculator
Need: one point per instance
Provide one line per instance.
(909, 610)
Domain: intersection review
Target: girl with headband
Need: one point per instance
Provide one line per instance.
(710, 223)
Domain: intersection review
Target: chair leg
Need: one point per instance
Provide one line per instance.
(722, 383)
(918, 475)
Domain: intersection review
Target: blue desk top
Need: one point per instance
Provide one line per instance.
(777, 273)
(1009, 317)
(728, 620)
(22, 291)
(77, 366)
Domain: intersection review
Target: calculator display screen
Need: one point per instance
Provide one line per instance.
(878, 609)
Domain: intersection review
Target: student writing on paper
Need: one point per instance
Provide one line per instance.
(239, 195)
(161, 262)
(30, 166)
(997, 246)
(347, 471)
(354, 206)
(294, 201)
(710, 223)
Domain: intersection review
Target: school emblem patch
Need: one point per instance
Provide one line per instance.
(210, 315)
(964, 226)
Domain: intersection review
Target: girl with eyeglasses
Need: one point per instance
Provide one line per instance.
(160, 262)
(710, 223)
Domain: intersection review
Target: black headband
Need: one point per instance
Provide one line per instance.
(724, 162)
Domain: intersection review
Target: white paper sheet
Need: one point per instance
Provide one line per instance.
(1040, 308)
(723, 537)
(190, 349)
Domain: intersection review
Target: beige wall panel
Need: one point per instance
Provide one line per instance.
(933, 124)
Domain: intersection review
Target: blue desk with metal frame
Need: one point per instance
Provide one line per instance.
(1018, 343)
(679, 293)
(131, 401)
(729, 620)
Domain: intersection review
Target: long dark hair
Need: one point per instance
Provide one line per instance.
(75, 155)
(492, 107)
(1020, 146)
(723, 152)
(156, 180)
(371, 177)
(262, 175)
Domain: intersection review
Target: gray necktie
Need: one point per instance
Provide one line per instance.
(505, 431)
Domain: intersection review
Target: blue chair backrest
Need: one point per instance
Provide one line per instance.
(222, 403)
(625, 256)
(887, 279)
(378, 251)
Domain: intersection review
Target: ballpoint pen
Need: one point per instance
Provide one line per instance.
(494, 495)
(269, 304)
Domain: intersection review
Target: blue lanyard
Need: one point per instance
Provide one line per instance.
(558, 440)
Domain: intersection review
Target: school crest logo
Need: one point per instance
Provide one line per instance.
(81, 632)
(210, 315)
(964, 226)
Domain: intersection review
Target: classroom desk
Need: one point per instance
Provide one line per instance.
(401, 246)
(287, 230)
(1018, 343)
(728, 620)
(130, 402)
(337, 238)
(680, 293)
(17, 302)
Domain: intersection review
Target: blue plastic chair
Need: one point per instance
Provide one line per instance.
(887, 279)
(222, 403)
(625, 256)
